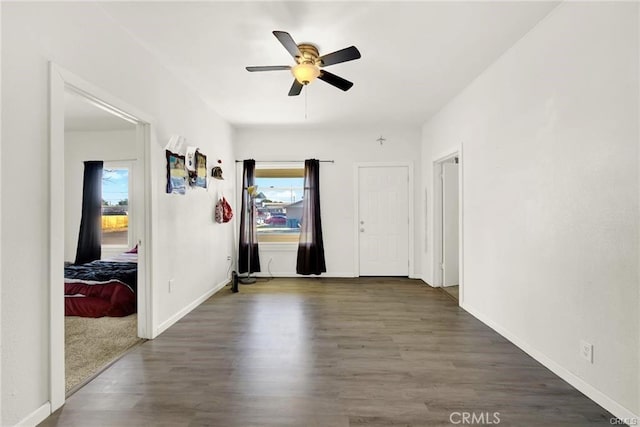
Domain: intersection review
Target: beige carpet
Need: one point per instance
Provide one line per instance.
(92, 344)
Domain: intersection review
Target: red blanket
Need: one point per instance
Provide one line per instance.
(97, 299)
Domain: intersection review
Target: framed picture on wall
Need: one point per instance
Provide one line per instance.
(176, 174)
(201, 170)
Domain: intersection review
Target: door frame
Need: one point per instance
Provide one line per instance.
(356, 210)
(62, 81)
(437, 219)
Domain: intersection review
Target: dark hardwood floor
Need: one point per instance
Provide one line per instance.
(328, 352)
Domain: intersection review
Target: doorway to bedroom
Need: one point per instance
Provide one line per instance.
(100, 298)
(100, 256)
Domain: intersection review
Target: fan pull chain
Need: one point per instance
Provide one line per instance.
(306, 90)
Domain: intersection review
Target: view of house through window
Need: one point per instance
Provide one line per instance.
(279, 204)
(115, 206)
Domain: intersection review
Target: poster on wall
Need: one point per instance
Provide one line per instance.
(201, 170)
(176, 174)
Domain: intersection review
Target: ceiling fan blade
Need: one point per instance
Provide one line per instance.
(347, 54)
(334, 80)
(288, 43)
(269, 68)
(296, 88)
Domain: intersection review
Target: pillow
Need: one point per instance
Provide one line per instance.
(132, 251)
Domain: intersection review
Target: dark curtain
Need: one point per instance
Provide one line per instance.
(311, 246)
(248, 233)
(90, 237)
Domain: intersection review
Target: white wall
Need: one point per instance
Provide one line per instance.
(550, 161)
(80, 147)
(188, 246)
(347, 147)
(1, 287)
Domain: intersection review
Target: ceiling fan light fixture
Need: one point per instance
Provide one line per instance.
(305, 72)
(308, 62)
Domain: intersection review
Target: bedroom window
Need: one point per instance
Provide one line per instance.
(116, 185)
(279, 204)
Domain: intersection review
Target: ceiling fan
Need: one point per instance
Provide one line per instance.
(309, 63)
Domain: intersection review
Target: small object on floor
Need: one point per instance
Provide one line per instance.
(234, 282)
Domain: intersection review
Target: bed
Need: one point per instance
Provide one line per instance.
(103, 287)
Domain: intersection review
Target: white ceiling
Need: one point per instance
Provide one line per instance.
(81, 115)
(416, 56)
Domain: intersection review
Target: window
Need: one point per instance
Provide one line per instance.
(116, 184)
(279, 203)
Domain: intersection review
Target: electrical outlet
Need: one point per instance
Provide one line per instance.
(171, 285)
(586, 351)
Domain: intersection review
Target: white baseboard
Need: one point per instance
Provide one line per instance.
(36, 417)
(587, 389)
(427, 282)
(332, 275)
(289, 274)
(180, 314)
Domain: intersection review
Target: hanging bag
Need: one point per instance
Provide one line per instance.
(218, 212)
(227, 213)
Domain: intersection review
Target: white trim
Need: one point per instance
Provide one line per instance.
(61, 81)
(411, 213)
(145, 207)
(288, 164)
(56, 240)
(587, 389)
(287, 274)
(638, 287)
(101, 98)
(427, 282)
(36, 417)
(461, 224)
(449, 154)
(1, 350)
(186, 310)
(411, 252)
(278, 246)
(437, 220)
(356, 223)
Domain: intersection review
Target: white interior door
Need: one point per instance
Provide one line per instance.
(383, 208)
(450, 225)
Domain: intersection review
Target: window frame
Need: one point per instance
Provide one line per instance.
(129, 165)
(279, 170)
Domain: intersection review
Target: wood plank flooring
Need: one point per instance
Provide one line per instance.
(454, 291)
(327, 352)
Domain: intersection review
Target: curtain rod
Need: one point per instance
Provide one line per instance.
(286, 161)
